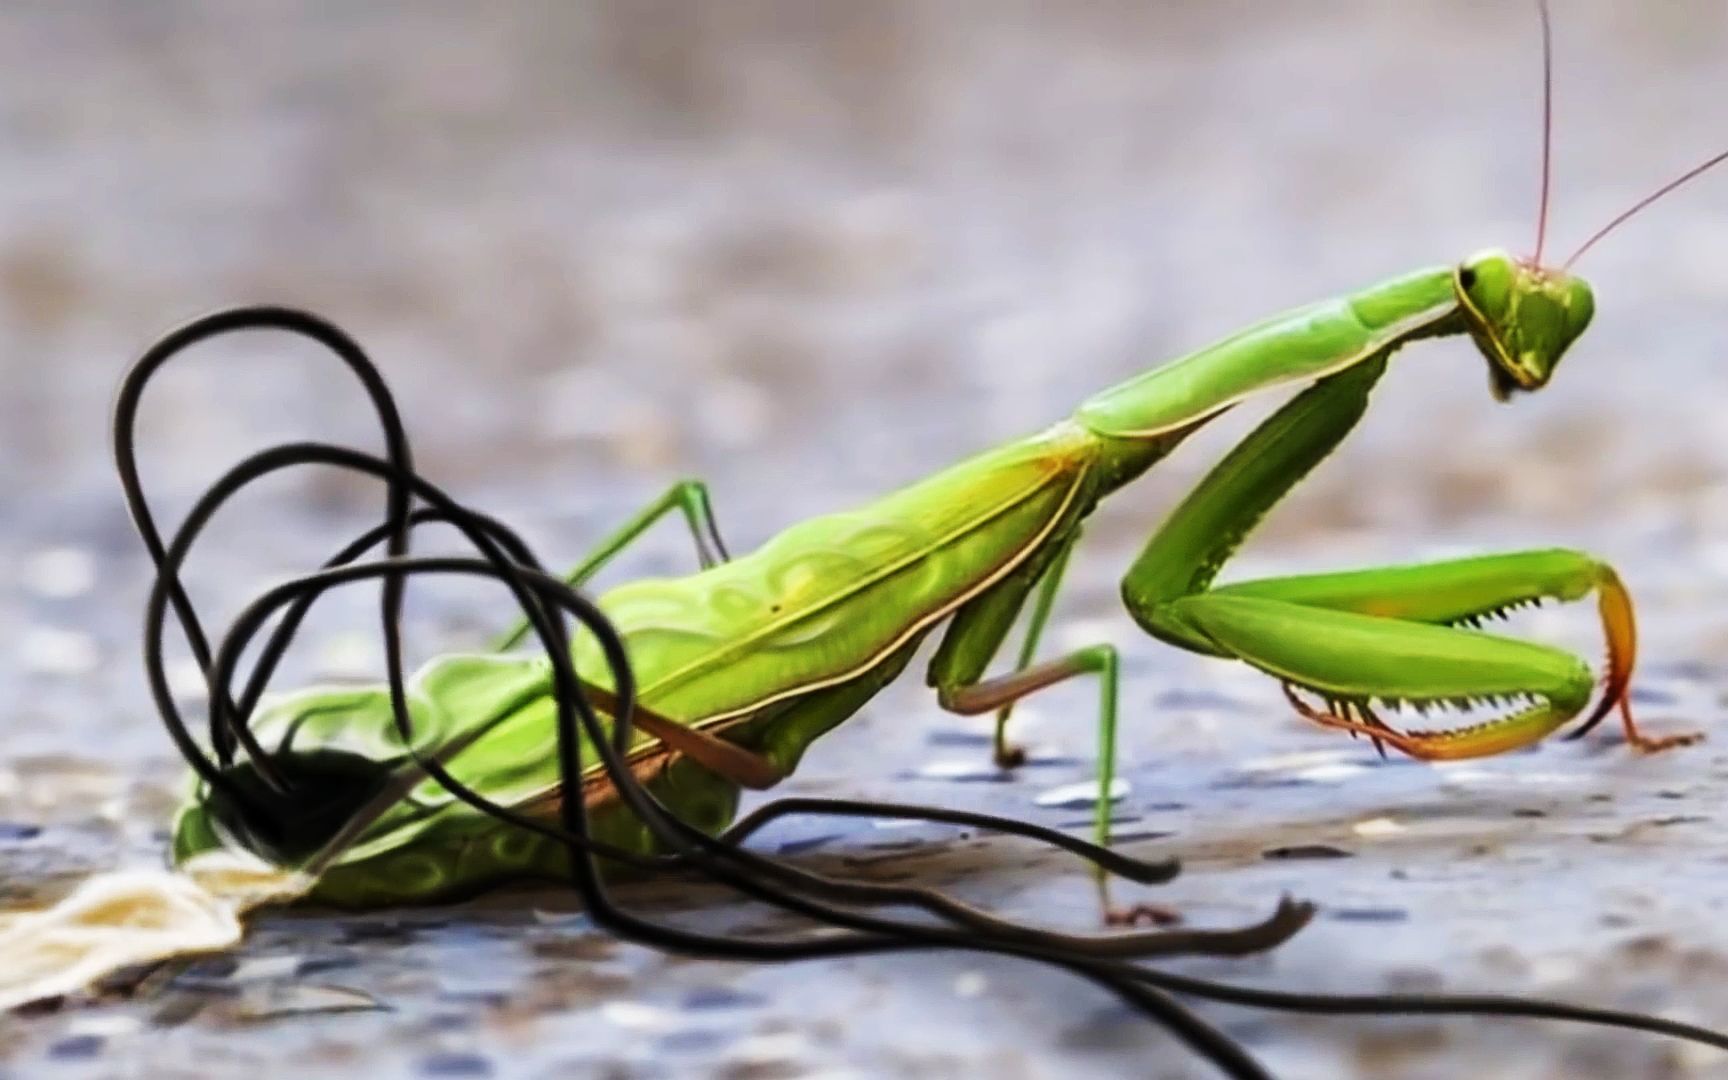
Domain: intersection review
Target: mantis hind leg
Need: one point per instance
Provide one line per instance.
(1000, 693)
(689, 497)
(1007, 755)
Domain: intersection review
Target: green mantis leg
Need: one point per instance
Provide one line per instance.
(1007, 755)
(973, 640)
(1001, 692)
(1395, 636)
(719, 756)
(690, 497)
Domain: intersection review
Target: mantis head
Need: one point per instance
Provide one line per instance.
(1522, 316)
(1523, 313)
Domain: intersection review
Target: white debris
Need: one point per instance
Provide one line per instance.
(1082, 795)
(129, 917)
(635, 1016)
(1377, 827)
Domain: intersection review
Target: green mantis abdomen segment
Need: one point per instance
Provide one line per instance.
(831, 598)
(462, 853)
(771, 650)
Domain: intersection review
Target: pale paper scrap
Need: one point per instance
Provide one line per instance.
(128, 917)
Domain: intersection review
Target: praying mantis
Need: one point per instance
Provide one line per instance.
(692, 689)
(741, 666)
(737, 669)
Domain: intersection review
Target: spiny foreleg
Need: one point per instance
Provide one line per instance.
(1442, 660)
(1398, 636)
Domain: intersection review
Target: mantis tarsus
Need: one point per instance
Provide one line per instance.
(393, 794)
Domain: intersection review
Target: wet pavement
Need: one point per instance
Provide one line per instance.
(811, 252)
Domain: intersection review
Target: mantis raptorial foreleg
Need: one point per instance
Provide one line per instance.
(1425, 604)
(1380, 635)
(689, 497)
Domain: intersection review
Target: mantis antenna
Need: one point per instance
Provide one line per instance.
(1548, 160)
(1547, 130)
(1690, 174)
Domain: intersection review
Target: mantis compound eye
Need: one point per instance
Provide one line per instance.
(327, 789)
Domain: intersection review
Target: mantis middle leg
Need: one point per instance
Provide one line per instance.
(976, 636)
(689, 497)
(1390, 636)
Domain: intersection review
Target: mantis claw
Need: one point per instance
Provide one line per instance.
(1620, 629)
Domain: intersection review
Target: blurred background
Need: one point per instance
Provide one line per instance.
(811, 251)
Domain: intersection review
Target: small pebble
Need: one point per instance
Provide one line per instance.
(562, 919)
(1306, 851)
(1368, 915)
(311, 965)
(808, 843)
(1196, 701)
(1082, 795)
(695, 1041)
(967, 769)
(1306, 759)
(454, 1063)
(709, 998)
(1087, 823)
(275, 1001)
(1380, 826)
(77, 1048)
(105, 1025)
(1142, 834)
(1331, 774)
(262, 968)
(1047, 759)
(896, 823)
(951, 738)
(635, 1016)
(773, 1047)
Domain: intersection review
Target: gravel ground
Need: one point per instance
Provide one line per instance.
(811, 251)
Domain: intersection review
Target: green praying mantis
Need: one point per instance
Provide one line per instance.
(692, 689)
(741, 666)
